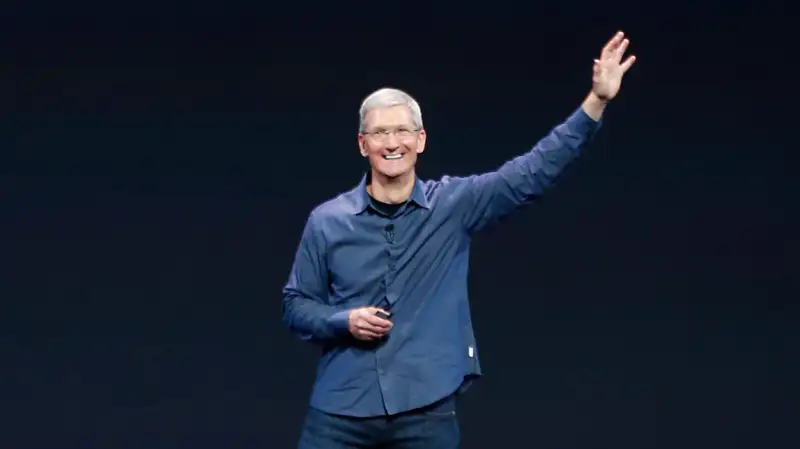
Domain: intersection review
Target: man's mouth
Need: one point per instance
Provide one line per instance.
(390, 157)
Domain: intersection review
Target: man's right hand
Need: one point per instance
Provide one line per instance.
(366, 326)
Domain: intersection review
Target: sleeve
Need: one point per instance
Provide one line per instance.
(494, 195)
(305, 309)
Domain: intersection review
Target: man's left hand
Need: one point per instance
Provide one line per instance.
(609, 68)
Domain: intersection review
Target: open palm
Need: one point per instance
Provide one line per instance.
(609, 68)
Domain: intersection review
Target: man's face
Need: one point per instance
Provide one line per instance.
(391, 141)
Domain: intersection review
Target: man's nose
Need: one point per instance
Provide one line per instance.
(392, 142)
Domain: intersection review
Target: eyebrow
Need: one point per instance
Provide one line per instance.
(384, 128)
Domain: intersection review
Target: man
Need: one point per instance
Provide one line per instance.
(380, 276)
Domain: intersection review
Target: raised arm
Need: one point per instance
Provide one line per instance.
(305, 309)
(492, 196)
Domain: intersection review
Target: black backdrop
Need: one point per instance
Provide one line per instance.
(159, 160)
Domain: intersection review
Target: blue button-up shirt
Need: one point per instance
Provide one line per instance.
(415, 265)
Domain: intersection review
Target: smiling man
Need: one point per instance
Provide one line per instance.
(379, 280)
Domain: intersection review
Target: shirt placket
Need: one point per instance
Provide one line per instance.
(391, 264)
(390, 297)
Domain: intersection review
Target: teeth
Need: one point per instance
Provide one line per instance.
(393, 156)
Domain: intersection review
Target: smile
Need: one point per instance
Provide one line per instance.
(393, 156)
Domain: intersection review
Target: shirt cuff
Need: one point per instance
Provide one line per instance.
(339, 321)
(582, 123)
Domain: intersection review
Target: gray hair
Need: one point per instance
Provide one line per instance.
(388, 97)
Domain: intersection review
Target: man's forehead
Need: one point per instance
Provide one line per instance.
(390, 116)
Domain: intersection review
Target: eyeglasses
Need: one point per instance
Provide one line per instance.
(383, 134)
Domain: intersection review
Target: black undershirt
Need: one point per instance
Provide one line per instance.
(385, 208)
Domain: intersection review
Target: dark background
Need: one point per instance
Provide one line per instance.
(158, 162)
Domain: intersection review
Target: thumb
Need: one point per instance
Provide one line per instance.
(373, 310)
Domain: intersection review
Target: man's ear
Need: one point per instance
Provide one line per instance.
(422, 139)
(362, 146)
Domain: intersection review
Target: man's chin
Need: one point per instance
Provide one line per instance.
(394, 174)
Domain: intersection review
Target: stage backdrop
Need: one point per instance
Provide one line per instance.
(157, 165)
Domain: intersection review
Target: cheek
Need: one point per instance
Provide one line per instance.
(411, 150)
(376, 158)
(413, 146)
(369, 150)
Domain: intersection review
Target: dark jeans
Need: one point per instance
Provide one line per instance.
(432, 427)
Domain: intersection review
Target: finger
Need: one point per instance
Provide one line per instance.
(367, 335)
(374, 311)
(377, 321)
(621, 49)
(375, 329)
(628, 63)
(612, 44)
(597, 70)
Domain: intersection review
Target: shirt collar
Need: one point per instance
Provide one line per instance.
(362, 199)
